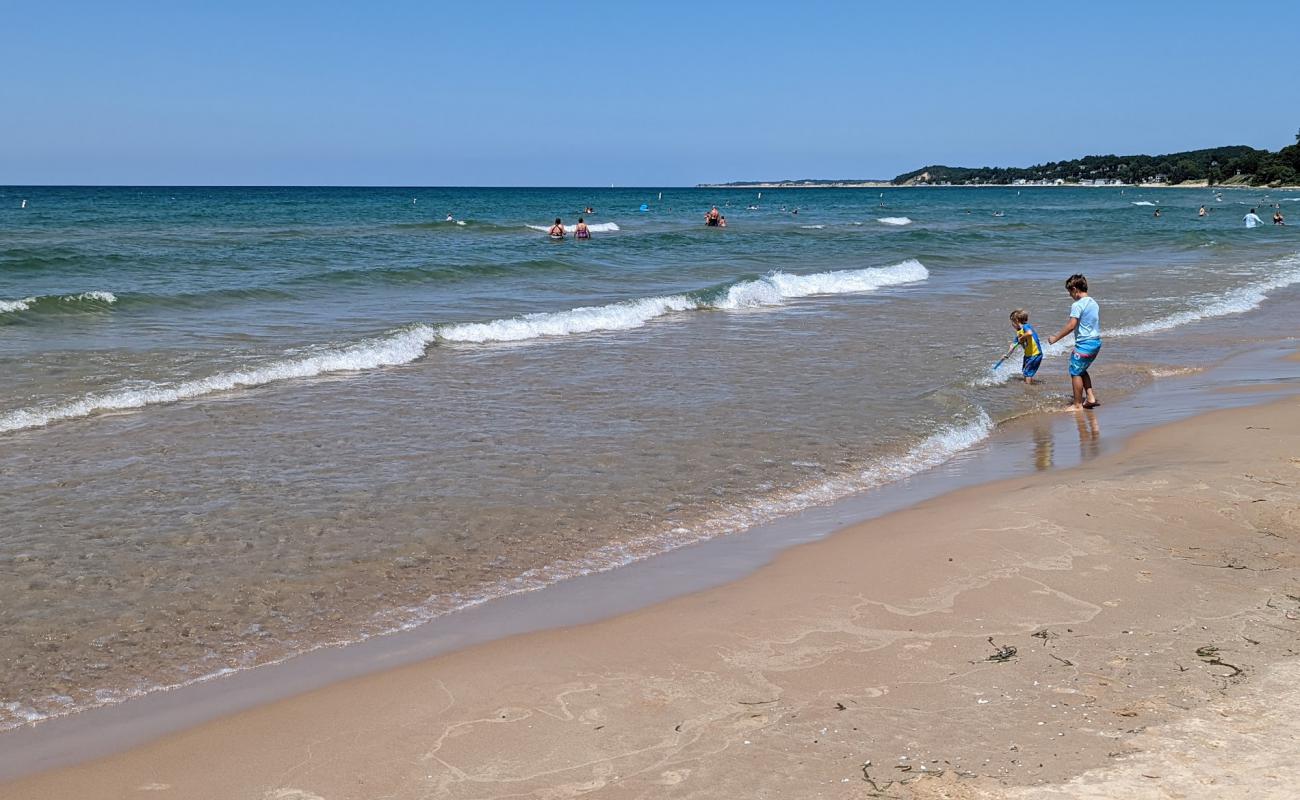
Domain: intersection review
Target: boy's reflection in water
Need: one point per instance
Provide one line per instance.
(1043, 444)
(1089, 434)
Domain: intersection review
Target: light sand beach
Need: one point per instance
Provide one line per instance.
(1127, 628)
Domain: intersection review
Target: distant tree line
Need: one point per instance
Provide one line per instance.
(1235, 165)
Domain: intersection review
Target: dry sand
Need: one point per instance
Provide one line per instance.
(1126, 629)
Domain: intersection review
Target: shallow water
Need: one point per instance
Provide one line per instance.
(287, 417)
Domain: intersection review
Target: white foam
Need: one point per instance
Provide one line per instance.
(597, 227)
(405, 346)
(894, 221)
(14, 306)
(1004, 372)
(398, 348)
(7, 306)
(934, 450)
(99, 297)
(613, 317)
(770, 290)
(777, 287)
(812, 227)
(1141, 203)
(1234, 301)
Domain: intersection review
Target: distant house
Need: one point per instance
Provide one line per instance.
(1018, 182)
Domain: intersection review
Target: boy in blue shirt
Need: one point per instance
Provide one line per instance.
(1027, 338)
(1085, 323)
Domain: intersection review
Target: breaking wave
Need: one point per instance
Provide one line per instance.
(411, 343)
(52, 302)
(1234, 301)
(894, 221)
(595, 227)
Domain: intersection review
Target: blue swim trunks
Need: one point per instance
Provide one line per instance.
(1030, 366)
(1085, 352)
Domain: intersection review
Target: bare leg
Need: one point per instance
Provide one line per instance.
(1089, 397)
(1076, 383)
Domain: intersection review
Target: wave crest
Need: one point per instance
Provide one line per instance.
(894, 221)
(36, 302)
(595, 227)
(409, 344)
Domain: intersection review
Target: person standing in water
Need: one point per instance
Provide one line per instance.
(1202, 212)
(581, 231)
(1252, 219)
(557, 230)
(1085, 324)
(711, 218)
(1278, 219)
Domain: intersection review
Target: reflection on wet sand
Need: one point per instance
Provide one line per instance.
(1043, 446)
(1089, 434)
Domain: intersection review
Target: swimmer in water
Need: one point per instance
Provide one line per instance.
(711, 218)
(1157, 214)
(557, 230)
(581, 231)
(722, 222)
(1252, 219)
(1278, 219)
(1202, 212)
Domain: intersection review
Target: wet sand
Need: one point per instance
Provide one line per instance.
(1128, 627)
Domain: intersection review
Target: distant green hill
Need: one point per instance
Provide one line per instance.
(1238, 164)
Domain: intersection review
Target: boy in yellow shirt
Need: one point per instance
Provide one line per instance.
(1027, 338)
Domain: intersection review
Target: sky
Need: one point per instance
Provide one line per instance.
(630, 94)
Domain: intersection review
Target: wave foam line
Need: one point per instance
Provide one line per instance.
(597, 227)
(770, 290)
(1234, 301)
(894, 221)
(935, 450)
(14, 306)
(412, 343)
(399, 348)
(1142, 203)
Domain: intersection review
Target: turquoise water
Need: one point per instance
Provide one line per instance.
(239, 423)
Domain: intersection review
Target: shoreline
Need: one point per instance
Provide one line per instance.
(259, 708)
(891, 185)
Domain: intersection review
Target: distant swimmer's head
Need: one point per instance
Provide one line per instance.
(1019, 317)
(1076, 285)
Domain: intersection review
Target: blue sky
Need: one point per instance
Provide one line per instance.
(424, 93)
